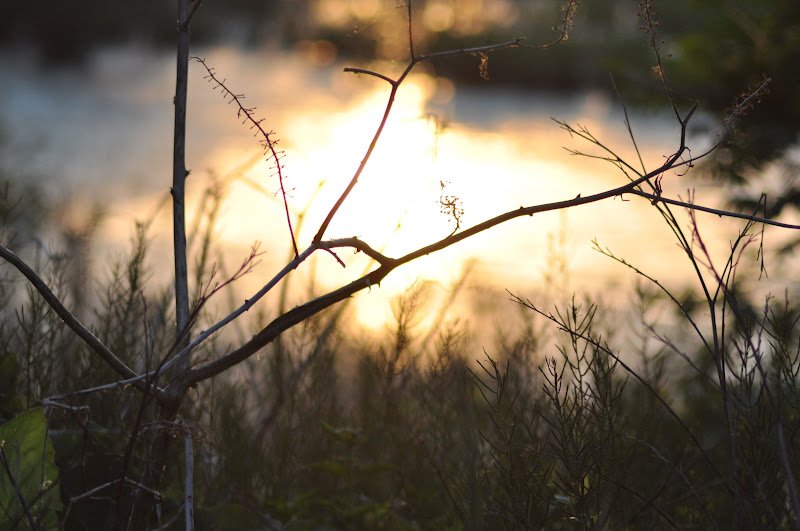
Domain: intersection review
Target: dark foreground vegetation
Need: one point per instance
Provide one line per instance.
(576, 417)
(566, 421)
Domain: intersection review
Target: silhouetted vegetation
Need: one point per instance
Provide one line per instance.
(683, 412)
(417, 428)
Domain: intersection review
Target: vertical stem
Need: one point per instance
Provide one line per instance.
(179, 174)
(791, 484)
(188, 480)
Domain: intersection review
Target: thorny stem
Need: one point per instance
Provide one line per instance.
(717, 211)
(266, 141)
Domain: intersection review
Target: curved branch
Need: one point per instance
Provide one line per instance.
(358, 245)
(70, 320)
(354, 70)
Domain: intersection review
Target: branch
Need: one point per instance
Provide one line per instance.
(387, 265)
(358, 245)
(395, 84)
(267, 141)
(179, 174)
(188, 481)
(726, 213)
(516, 43)
(283, 323)
(136, 381)
(70, 320)
(374, 142)
(184, 26)
(354, 70)
(249, 303)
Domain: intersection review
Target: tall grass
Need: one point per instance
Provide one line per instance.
(418, 428)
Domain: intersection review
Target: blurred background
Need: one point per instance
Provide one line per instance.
(374, 414)
(86, 121)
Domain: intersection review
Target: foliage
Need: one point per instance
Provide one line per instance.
(29, 485)
(310, 424)
(406, 431)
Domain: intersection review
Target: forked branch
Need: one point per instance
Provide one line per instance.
(395, 85)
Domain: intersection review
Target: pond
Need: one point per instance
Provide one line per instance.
(102, 134)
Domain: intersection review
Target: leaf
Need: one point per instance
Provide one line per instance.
(28, 457)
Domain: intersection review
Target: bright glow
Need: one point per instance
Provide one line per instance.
(495, 150)
(439, 15)
(395, 206)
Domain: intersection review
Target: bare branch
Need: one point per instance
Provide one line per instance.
(409, 13)
(354, 70)
(184, 26)
(268, 143)
(516, 43)
(68, 318)
(717, 211)
(188, 480)
(568, 11)
(136, 381)
(179, 174)
(358, 245)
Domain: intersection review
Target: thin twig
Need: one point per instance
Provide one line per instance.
(717, 211)
(267, 142)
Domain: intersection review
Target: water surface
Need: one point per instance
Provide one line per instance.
(103, 134)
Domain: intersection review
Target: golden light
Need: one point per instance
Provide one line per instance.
(438, 15)
(492, 158)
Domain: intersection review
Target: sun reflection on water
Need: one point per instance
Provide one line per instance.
(494, 150)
